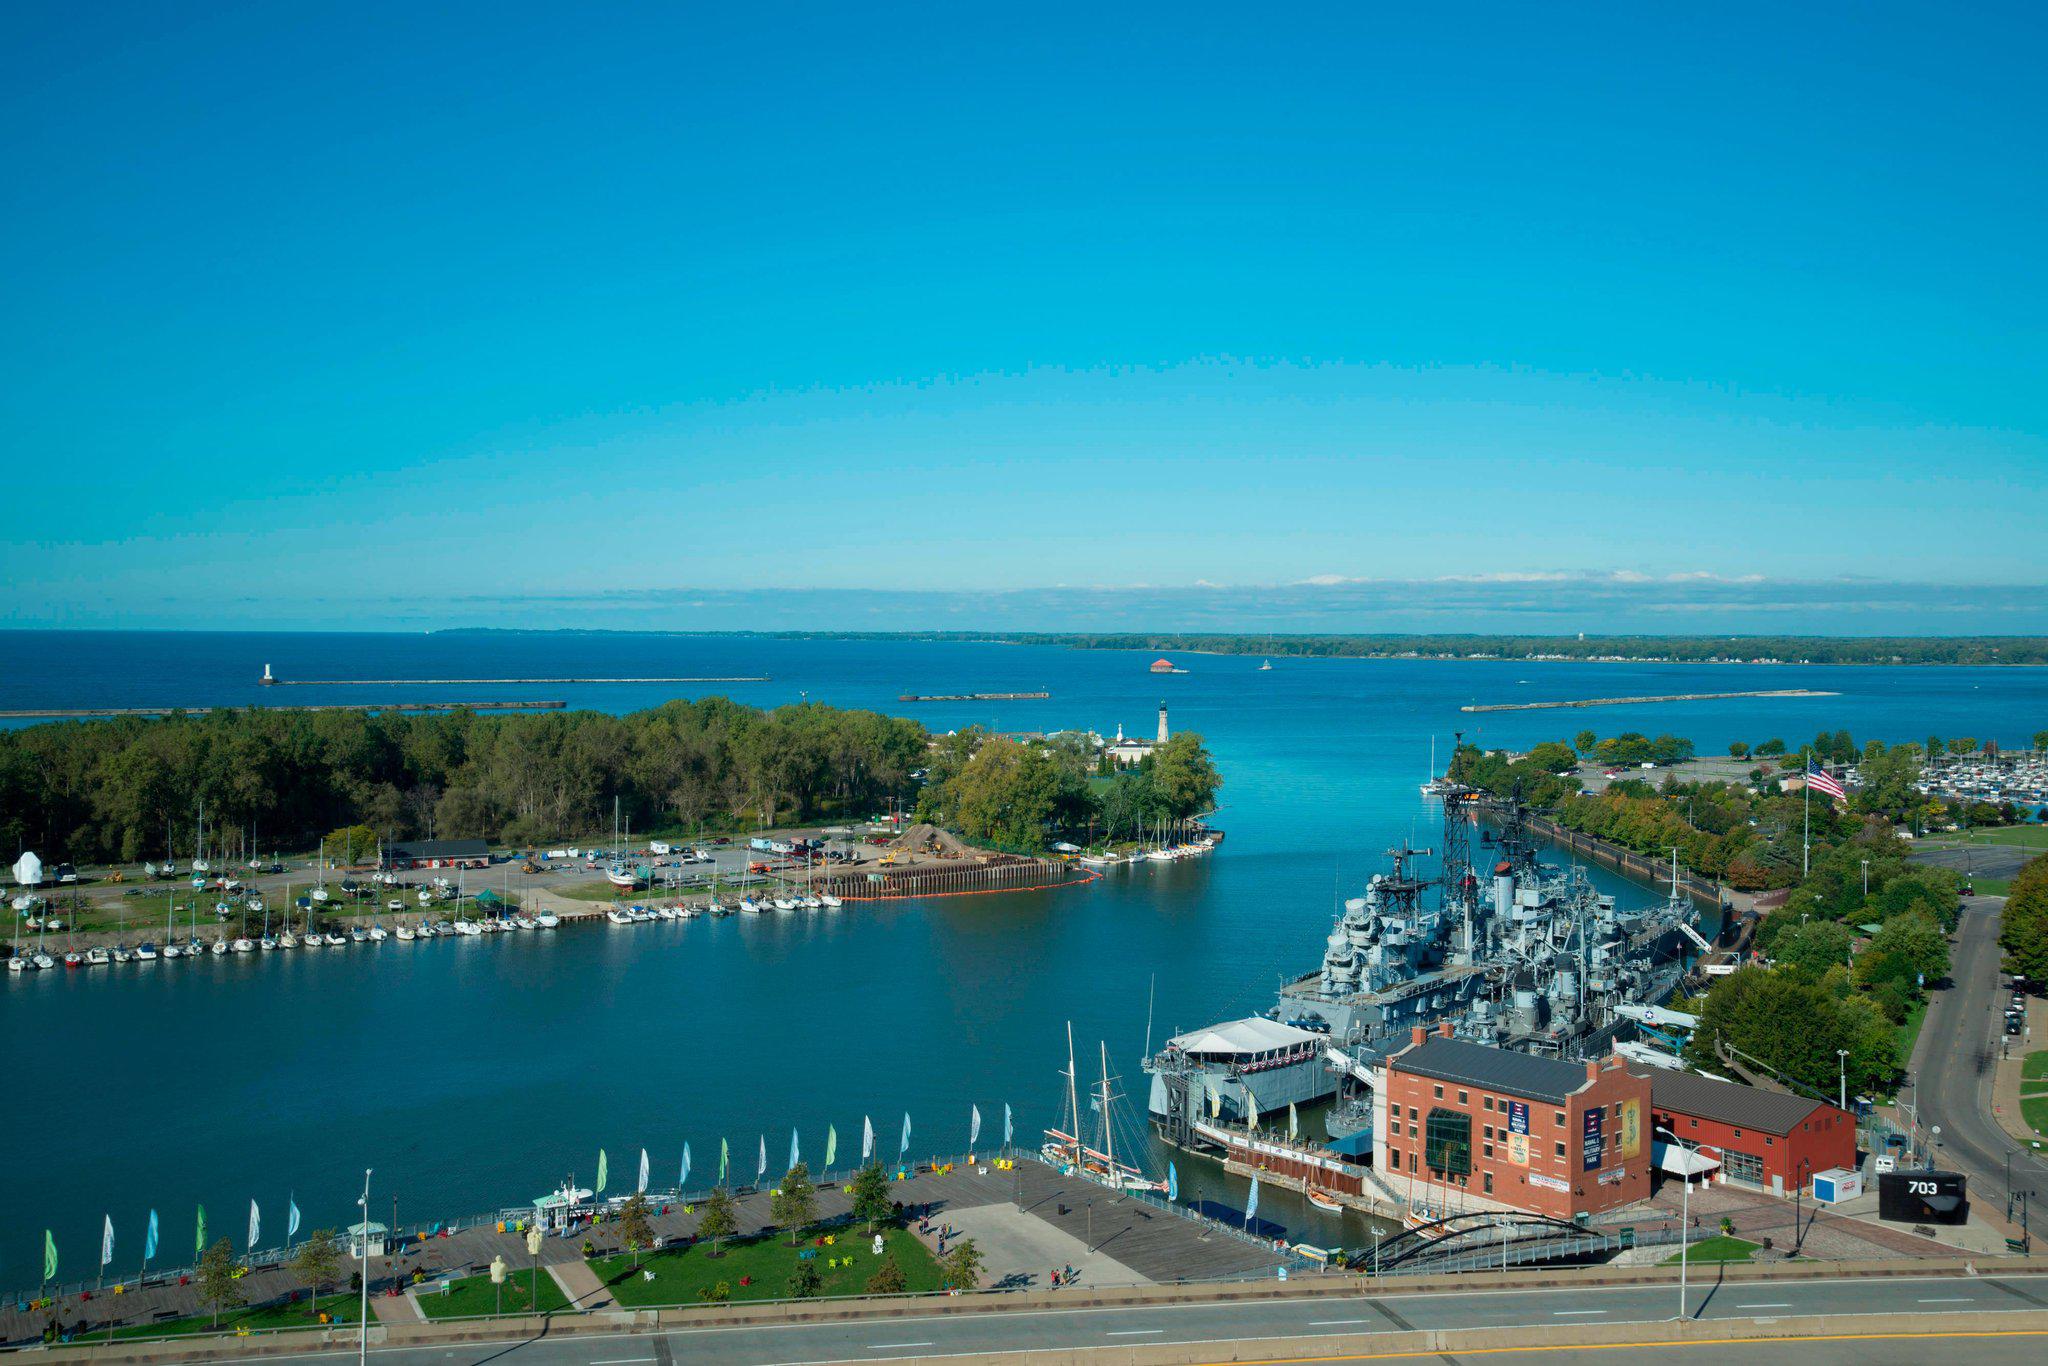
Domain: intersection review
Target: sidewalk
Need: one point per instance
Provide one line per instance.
(2007, 1090)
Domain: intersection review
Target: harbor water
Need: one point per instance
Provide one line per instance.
(475, 1073)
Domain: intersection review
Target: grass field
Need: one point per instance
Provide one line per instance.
(1909, 1031)
(475, 1296)
(1716, 1249)
(2035, 1065)
(339, 1306)
(2024, 836)
(2034, 1113)
(680, 1274)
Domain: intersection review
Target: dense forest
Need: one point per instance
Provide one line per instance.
(133, 788)
(1672, 649)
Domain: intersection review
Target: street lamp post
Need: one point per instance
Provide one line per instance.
(1684, 1214)
(1842, 1058)
(533, 1236)
(363, 1327)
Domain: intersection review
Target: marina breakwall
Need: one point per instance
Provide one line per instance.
(1632, 701)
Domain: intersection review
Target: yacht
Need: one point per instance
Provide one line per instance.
(751, 906)
(618, 916)
(171, 950)
(267, 942)
(243, 946)
(74, 959)
(18, 963)
(358, 935)
(406, 935)
(145, 952)
(334, 940)
(98, 957)
(378, 934)
(123, 954)
(287, 940)
(831, 902)
(43, 961)
(546, 920)
(468, 927)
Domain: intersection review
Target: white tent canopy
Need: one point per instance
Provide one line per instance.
(28, 870)
(1681, 1161)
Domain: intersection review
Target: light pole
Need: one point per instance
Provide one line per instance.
(1866, 879)
(1684, 1213)
(363, 1328)
(1842, 1060)
(533, 1236)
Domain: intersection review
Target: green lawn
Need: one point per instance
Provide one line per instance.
(1909, 1031)
(339, 1306)
(475, 1296)
(680, 1273)
(2035, 1067)
(1718, 1248)
(2025, 836)
(2034, 1112)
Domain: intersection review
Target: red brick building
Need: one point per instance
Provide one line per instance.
(1536, 1134)
(1765, 1140)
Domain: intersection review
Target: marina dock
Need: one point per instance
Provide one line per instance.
(1631, 701)
(84, 713)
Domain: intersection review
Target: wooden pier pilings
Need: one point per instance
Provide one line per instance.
(1001, 874)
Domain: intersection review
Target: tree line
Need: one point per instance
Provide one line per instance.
(1024, 794)
(132, 788)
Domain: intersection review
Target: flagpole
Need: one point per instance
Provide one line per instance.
(1806, 826)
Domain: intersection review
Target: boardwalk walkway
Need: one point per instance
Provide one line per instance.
(1154, 1243)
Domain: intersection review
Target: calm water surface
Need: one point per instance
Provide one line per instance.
(476, 1073)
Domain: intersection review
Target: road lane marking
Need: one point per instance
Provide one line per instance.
(622, 1361)
(1569, 1313)
(1780, 1304)
(1137, 1333)
(1330, 1323)
(885, 1346)
(1951, 1299)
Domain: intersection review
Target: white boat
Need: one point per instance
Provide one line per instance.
(832, 903)
(618, 916)
(426, 896)
(243, 946)
(783, 903)
(812, 903)
(1160, 855)
(287, 940)
(751, 906)
(21, 964)
(1323, 1202)
(378, 934)
(173, 951)
(98, 957)
(358, 935)
(220, 948)
(546, 920)
(267, 942)
(320, 894)
(122, 953)
(146, 952)
(665, 912)
(405, 934)
(468, 927)
(255, 905)
(394, 906)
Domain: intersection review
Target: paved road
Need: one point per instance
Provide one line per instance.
(1954, 1062)
(1960, 1303)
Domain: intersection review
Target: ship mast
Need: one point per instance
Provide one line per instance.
(1073, 1095)
(1108, 1130)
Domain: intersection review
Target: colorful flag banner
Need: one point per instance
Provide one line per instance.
(255, 1225)
(867, 1139)
(683, 1181)
(724, 1159)
(1251, 1205)
(1009, 1130)
(107, 1244)
(1172, 1183)
(149, 1242)
(643, 1171)
(973, 1126)
(199, 1238)
(793, 1159)
(49, 1255)
(291, 1218)
(904, 1147)
(831, 1146)
(603, 1171)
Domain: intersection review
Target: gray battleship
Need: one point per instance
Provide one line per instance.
(1532, 957)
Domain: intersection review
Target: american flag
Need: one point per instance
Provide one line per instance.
(1818, 779)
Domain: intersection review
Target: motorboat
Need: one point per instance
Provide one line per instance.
(618, 916)
(334, 940)
(98, 957)
(751, 906)
(468, 927)
(665, 912)
(546, 920)
(146, 952)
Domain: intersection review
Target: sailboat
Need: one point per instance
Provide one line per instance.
(1065, 1149)
(1267, 667)
(1434, 785)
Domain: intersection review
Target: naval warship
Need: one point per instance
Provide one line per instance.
(1530, 957)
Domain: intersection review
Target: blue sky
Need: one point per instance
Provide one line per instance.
(359, 315)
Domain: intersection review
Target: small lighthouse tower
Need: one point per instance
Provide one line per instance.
(267, 680)
(1162, 723)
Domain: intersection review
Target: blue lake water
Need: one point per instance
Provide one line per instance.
(477, 1073)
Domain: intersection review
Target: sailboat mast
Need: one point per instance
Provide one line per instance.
(1108, 1132)
(1073, 1094)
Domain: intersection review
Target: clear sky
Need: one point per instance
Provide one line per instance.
(361, 314)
